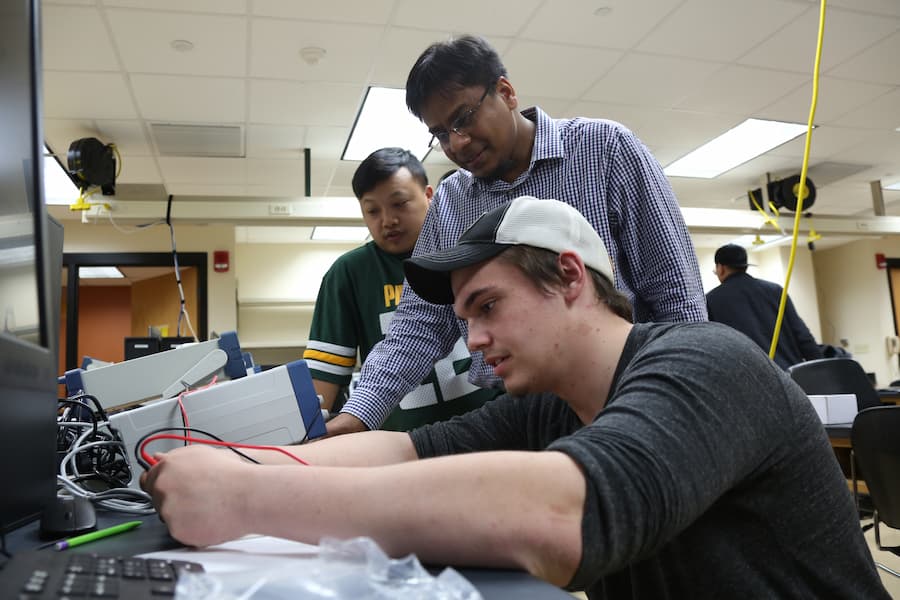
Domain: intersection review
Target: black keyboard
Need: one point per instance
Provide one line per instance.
(64, 575)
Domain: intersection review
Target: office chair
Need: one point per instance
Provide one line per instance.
(876, 446)
(836, 376)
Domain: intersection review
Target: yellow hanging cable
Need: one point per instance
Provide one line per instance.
(801, 191)
(768, 220)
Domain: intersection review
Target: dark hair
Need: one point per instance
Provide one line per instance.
(382, 164)
(542, 268)
(448, 66)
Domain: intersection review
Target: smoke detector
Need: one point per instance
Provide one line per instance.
(311, 55)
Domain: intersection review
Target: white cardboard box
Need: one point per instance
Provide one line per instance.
(835, 408)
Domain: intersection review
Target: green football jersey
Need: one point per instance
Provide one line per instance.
(356, 302)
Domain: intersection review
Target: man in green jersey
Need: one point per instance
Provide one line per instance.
(360, 291)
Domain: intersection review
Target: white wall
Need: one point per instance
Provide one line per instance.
(855, 302)
(276, 291)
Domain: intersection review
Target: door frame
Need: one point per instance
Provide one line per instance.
(73, 260)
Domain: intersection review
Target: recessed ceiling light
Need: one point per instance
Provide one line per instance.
(734, 147)
(99, 273)
(384, 120)
(339, 234)
(182, 45)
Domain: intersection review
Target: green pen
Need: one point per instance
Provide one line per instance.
(96, 535)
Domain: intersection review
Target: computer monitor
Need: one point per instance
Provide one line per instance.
(27, 362)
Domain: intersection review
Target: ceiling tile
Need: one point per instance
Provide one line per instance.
(94, 47)
(60, 133)
(827, 141)
(648, 80)
(675, 128)
(327, 142)
(349, 50)
(219, 171)
(144, 41)
(737, 90)
(836, 97)
(399, 50)
(500, 17)
(183, 99)
(345, 11)
(304, 103)
(846, 34)
(541, 69)
(877, 64)
(881, 113)
(139, 169)
(287, 173)
(275, 141)
(77, 95)
(877, 7)
(575, 22)
(128, 136)
(715, 29)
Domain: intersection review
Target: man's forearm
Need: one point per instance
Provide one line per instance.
(366, 449)
(502, 509)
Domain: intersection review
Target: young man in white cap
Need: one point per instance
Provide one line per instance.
(633, 461)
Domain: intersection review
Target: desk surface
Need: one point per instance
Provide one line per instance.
(152, 536)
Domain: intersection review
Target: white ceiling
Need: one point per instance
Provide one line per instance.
(677, 72)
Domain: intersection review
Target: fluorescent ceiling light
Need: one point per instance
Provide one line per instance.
(99, 273)
(893, 186)
(340, 234)
(384, 120)
(58, 188)
(734, 147)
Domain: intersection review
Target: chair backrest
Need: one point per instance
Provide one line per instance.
(875, 438)
(836, 376)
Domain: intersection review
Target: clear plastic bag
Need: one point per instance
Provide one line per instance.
(355, 569)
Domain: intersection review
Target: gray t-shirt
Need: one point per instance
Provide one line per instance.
(708, 474)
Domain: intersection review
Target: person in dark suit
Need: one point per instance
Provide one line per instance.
(750, 305)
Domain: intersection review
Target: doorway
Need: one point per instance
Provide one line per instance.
(98, 313)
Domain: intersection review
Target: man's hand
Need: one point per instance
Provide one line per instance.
(344, 423)
(200, 493)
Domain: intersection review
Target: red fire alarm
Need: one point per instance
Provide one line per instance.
(220, 261)
(880, 261)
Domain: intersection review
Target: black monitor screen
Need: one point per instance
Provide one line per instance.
(27, 363)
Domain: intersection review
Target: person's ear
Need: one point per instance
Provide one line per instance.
(573, 273)
(507, 93)
(429, 194)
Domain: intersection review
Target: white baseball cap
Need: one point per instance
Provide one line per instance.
(526, 221)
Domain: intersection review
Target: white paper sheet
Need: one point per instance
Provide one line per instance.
(251, 552)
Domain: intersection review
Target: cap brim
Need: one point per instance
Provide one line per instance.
(429, 274)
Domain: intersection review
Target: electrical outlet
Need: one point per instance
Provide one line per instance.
(279, 209)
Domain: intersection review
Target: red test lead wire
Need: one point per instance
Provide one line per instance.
(185, 438)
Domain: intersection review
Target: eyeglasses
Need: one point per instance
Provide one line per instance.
(460, 124)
